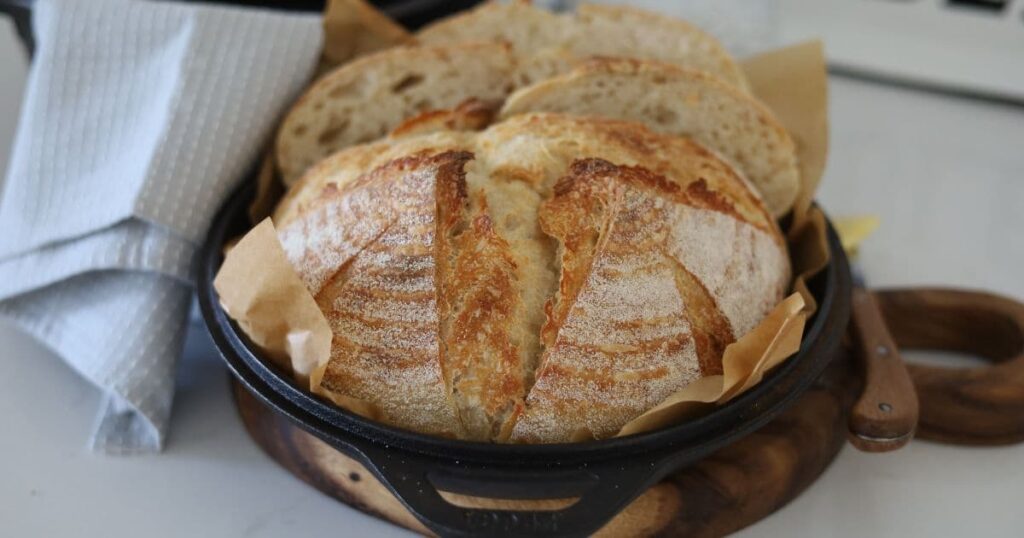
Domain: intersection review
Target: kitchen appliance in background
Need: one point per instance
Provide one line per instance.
(969, 46)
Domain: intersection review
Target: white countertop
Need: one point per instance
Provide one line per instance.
(945, 174)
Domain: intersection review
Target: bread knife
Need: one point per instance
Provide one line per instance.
(885, 415)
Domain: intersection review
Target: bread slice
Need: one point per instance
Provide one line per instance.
(549, 42)
(364, 100)
(628, 32)
(525, 27)
(677, 101)
(481, 55)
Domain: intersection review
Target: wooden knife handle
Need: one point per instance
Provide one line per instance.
(974, 406)
(885, 416)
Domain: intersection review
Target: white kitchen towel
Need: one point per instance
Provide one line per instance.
(139, 118)
(122, 330)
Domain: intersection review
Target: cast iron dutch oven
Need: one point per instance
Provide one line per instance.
(606, 475)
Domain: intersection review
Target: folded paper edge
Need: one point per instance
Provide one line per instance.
(260, 289)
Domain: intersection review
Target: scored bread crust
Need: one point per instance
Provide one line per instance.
(351, 163)
(480, 293)
(677, 101)
(635, 319)
(561, 225)
(371, 269)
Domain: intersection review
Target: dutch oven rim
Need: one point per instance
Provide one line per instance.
(731, 420)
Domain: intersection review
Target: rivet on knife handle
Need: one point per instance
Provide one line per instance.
(885, 416)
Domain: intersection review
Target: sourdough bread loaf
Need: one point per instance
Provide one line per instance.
(548, 278)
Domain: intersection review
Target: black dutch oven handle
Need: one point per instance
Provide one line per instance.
(603, 487)
(603, 490)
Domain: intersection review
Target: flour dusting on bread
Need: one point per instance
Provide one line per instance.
(547, 276)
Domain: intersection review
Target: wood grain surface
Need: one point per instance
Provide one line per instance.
(974, 406)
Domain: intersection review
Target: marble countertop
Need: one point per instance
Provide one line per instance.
(943, 173)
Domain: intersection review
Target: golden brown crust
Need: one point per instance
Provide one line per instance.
(618, 339)
(711, 331)
(479, 298)
(470, 115)
(567, 138)
(351, 163)
(664, 257)
(370, 266)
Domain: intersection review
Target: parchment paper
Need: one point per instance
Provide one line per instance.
(259, 288)
(261, 291)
